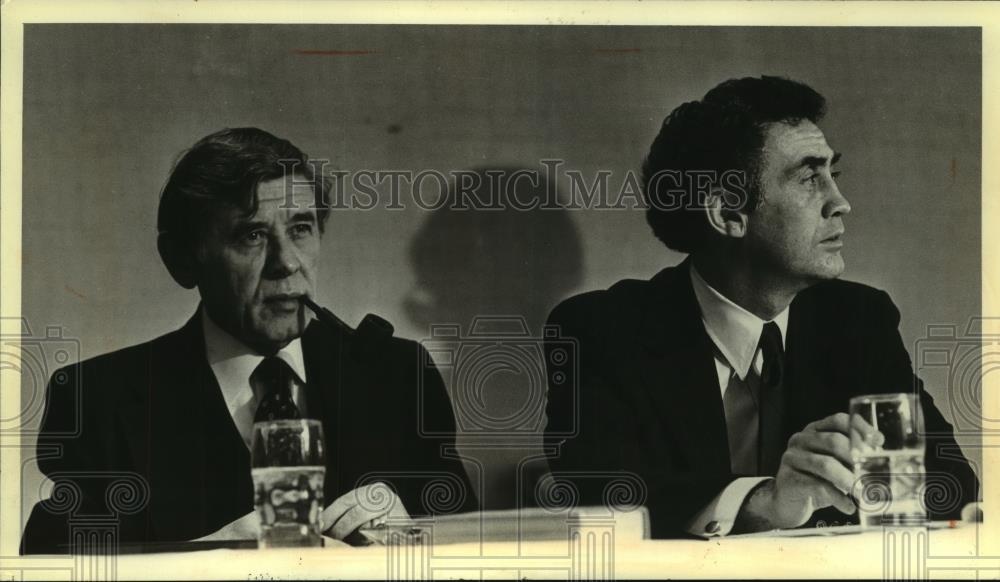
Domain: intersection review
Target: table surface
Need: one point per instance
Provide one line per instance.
(961, 552)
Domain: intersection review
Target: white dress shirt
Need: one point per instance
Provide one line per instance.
(735, 333)
(232, 362)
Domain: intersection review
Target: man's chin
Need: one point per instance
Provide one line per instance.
(276, 334)
(836, 268)
(828, 271)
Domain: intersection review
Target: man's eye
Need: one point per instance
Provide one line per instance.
(254, 237)
(811, 180)
(835, 175)
(301, 230)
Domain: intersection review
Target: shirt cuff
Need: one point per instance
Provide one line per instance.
(718, 517)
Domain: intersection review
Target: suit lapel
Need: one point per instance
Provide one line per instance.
(183, 439)
(324, 353)
(678, 371)
(812, 370)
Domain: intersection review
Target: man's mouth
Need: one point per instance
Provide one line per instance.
(833, 240)
(284, 301)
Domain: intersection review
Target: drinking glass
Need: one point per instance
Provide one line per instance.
(288, 467)
(887, 445)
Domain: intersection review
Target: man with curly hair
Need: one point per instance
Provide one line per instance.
(723, 382)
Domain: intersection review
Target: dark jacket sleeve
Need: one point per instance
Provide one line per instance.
(950, 483)
(403, 432)
(454, 492)
(69, 453)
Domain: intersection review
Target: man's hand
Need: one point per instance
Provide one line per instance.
(816, 471)
(364, 506)
(244, 528)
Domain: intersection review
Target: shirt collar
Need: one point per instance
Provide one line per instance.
(734, 330)
(232, 361)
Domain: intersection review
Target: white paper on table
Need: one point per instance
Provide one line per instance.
(836, 530)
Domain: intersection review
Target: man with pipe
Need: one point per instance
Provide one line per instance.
(241, 219)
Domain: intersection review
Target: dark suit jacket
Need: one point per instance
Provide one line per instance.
(155, 411)
(646, 398)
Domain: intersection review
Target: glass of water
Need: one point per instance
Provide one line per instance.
(288, 469)
(887, 445)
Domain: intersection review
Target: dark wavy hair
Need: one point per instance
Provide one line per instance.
(225, 168)
(723, 132)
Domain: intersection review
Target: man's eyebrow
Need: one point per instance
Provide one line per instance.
(249, 224)
(817, 161)
(303, 216)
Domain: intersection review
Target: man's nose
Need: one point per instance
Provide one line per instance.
(836, 203)
(282, 258)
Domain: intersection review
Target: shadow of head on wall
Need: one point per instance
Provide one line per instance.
(492, 275)
(503, 260)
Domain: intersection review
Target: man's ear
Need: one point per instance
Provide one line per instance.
(179, 260)
(722, 218)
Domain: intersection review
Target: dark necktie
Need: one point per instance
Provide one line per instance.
(742, 423)
(772, 380)
(272, 383)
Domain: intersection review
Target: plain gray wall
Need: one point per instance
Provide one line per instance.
(107, 109)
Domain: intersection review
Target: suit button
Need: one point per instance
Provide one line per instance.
(712, 527)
